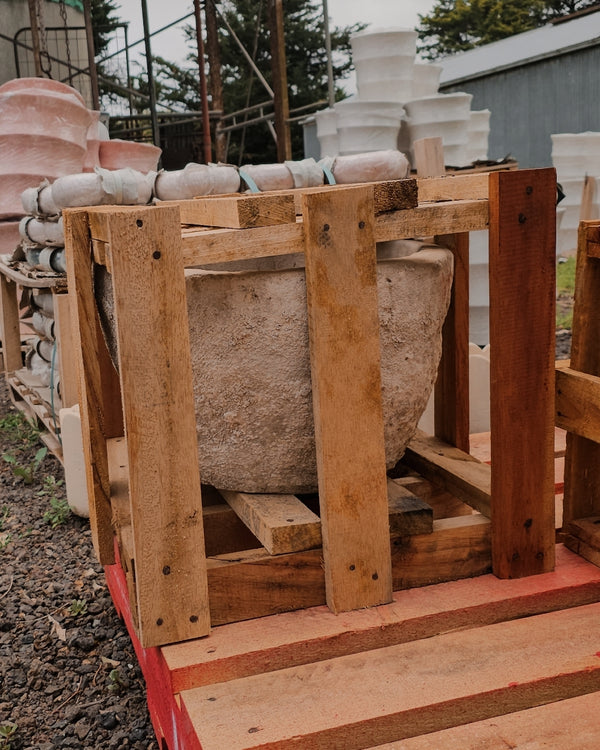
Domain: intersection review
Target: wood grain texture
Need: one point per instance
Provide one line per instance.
(99, 391)
(429, 157)
(237, 212)
(290, 639)
(343, 326)
(578, 403)
(452, 385)
(452, 469)
(67, 356)
(253, 584)
(522, 304)
(408, 513)
(10, 334)
(453, 187)
(582, 459)
(158, 405)
(388, 195)
(282, 523)
(361, 700)
(224, 245)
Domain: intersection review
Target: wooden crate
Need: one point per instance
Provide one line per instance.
(139, 427)
(36, 400)
(578, 403)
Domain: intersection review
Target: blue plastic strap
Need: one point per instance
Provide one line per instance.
(328, 174)
(249, 181)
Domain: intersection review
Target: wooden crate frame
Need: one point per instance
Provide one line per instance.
(578, 403)
(154, 493)
(27, 393)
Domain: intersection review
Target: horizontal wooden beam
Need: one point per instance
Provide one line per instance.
(578, 403)
(237, 212)
(391, 195)
(454, 187)
(456, 471)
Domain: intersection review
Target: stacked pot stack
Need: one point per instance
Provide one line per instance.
(43, 135)
(398, 103)
(574, 155)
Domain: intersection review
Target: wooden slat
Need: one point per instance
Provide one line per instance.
(452, 385)
(343, 326)
(282, 523)
(408, 513)
(578, 403)
(452, 469)
(10, 334)
(389, 694)
(100, 399)
(69, 389)
(290, 639)
(255, 584)
(27, 277)
(522, 343)
(582, 460)
(451, 187)
(237, 212)
(392, 195)
(224, 245)
(429, 157)
(158, 406)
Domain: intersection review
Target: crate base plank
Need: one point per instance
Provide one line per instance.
(313, 638)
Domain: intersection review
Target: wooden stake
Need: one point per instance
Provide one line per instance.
(278, 64)
(346, 378)
(522, 304)
(10, 333)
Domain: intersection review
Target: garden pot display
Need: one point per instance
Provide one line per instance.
(251, 365)
(383, 59)
(575, 154)
(444, 116)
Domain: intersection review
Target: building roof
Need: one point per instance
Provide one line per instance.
(514, 51)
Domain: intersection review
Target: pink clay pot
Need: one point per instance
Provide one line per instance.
(9, 236)
(11, 187)
(118, 154)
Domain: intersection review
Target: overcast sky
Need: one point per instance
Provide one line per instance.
(169, 44)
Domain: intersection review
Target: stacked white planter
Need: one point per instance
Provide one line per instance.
(574, 155)
(445, 116)
(367, 125)
(384, 59)
(388, 74)
(479, 297)
(478, 135)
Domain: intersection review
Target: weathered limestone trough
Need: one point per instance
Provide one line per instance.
(251, 364)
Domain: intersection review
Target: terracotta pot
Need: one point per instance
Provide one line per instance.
(118, 154)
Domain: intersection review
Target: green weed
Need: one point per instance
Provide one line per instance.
(25, 471)
(58, 513)
(8, 729)
(19, 430)
(78, 607)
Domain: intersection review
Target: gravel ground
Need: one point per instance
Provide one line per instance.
(68, 673)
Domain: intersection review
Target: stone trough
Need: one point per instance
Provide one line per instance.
(251, 362)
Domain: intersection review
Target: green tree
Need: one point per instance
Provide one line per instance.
(104, 22)
(306, 68)
(458, 25)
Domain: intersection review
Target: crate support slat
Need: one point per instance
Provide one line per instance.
(10, 325)
(343, 324)
(522, 302)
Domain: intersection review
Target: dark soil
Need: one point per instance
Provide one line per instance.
(69, 677)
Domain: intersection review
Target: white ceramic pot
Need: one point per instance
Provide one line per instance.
(383, 60)
(426, 79)
(445, 116)
(367, 126)
(478, 132)
(327, 134)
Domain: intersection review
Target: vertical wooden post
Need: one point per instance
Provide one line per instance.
(160, 426)
(522, 342)
(452, 385)
(582, 459)
(99, 394)
(66, 351)
(10, 333)
(215, 81)
(346, 380)
(282, 107)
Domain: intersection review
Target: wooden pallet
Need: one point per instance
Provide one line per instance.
(27, 392)
(578, 402)
(176, 588)
(457, 665)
